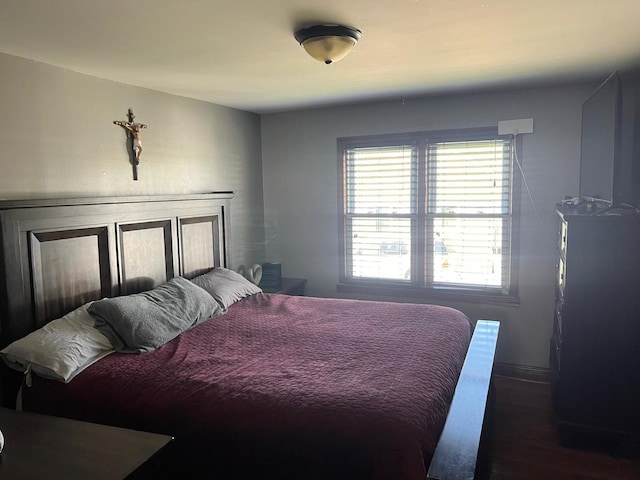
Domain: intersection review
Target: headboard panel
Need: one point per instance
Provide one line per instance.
(146, 254)
(68, 267)
(197, 235)
(58, 254)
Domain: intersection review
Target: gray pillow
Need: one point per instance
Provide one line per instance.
(226, 286)
(145, 321)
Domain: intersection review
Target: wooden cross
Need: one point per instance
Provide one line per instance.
(133, 132)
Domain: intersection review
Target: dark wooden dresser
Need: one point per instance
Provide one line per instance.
(595, 348)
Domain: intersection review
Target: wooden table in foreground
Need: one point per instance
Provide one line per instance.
(41, 446)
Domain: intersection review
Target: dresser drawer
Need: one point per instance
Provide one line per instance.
(556, 350)
(554, 373)
(557, 318)
(562, 238)
(560, 280)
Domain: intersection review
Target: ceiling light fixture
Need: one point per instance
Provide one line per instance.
(328, 43)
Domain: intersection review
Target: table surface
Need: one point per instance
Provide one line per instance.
(41, 446)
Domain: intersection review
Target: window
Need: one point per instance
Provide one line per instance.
(428, 211)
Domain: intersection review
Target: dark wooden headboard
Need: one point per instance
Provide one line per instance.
(58, 254)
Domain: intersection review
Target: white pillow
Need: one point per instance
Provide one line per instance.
(61, 349)
(226, 286)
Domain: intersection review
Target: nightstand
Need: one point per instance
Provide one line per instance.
(290, 286)
(42, 446)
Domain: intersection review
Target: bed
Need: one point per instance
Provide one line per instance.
(274, 386)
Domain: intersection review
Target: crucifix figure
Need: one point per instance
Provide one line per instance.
(133, 131)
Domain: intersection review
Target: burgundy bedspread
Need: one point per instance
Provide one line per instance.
(307, 387)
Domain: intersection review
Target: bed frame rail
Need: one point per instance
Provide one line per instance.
(459, 453)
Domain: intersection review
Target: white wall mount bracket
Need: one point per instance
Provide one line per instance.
(515, 127)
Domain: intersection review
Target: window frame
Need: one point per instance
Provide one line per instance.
(416, 287)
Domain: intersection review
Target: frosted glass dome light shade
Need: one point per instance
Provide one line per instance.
(328, 43)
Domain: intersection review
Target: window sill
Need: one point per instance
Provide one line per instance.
(434, 293)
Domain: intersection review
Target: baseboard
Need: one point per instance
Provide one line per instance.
(522, 372)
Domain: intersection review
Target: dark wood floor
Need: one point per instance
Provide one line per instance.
(525, 443)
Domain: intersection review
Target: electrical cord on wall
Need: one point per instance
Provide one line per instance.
(526, 186)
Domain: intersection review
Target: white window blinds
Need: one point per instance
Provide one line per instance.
(428, 213)
(469, 191)
(381, 187)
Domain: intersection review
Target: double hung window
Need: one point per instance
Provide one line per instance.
(428, 211)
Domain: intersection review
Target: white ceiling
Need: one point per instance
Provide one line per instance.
(242, 54)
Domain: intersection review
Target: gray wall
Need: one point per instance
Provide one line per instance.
(57, 139)
(301, 177)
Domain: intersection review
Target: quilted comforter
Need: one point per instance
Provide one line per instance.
(285, 387)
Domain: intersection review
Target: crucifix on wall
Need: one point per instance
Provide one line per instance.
(133, 132)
